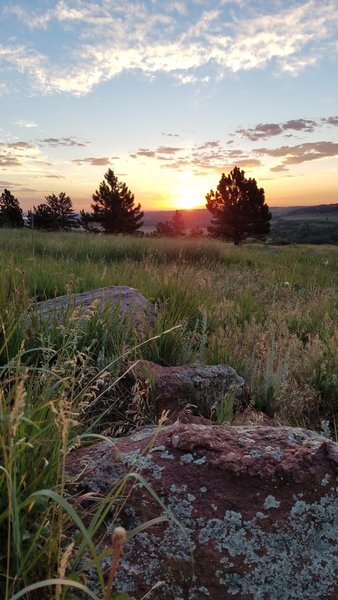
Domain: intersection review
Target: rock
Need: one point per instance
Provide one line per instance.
(125, 299)
(252, 511)
(203, 386)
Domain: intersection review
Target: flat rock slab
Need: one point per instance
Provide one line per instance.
(126, 300)
(257, 509)
(203, 386)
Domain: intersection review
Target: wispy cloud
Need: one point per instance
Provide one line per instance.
(26, 124)
(170, 134)
(9, 161)
(17, 145)
(211, 156)
(63, 141)
(294, 155)
(192, 41)
(15, 154)
(95, 162)
(267, 130)
(331, 121)
(158, 152)
(15, 187)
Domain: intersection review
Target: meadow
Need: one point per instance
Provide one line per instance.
(269, 312)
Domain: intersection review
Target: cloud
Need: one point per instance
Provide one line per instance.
(144, 152)
(95, 162)
(278, 169)
(248, 163)
(7, 184)
(54, 176)
(191, 41)
(206, 145)
(20, 145)
(266, 130)
(64, 141)
(167, 150)
(294, 155)
(16, 145)
(210, 156)
(15, 187)
(300, 125)
(26, 124)
(170, 134)
(261, 131)
(9, 161)
(331, 121)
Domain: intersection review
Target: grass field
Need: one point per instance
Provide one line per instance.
(268, 312)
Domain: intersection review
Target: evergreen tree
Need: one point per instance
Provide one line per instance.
(173, 228)
(114, 208)
(85, 220)
(10, 211)
(56, 213)
(41, 217)
(178, 224)
(238, 208)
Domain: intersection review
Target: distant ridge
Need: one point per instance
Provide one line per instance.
(195, 217)
(201, 217)
(319, 208)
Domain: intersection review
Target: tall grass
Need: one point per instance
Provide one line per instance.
(268, 312)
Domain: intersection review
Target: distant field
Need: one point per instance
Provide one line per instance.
(320, 218)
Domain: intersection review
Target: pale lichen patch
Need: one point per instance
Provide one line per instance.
(271, 502)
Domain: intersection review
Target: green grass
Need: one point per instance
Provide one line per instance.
(268, 312)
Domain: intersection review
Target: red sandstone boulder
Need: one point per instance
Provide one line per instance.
(257, 509)
(204, 387)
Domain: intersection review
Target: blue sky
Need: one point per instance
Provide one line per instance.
(169, 94)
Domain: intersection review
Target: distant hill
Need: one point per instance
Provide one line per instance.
(314, 210)
(195, 217)
(290, 224)
(201, 217)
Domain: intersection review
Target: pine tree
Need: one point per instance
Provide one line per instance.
(178, 224)
(173, 228)
(56, 213)
(10, 211)
(238, 208)
(114, 208)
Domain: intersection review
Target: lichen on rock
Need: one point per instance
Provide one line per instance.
(252, 512)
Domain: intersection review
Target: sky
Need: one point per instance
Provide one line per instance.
(169, 94)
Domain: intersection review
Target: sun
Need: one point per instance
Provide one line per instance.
(186, 193)
(188, 198)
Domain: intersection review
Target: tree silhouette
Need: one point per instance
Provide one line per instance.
(238, 208)
(196, 232)
(85, 220)
(10, 211)
(178, 224)
(114, 206)
(56, 213)
(173, 228)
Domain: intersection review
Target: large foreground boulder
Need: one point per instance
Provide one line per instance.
(123, 300)
(257, 509)
(203, 387)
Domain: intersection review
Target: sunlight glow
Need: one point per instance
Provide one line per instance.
(189, 198)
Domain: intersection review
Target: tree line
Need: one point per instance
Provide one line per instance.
(238, 210)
